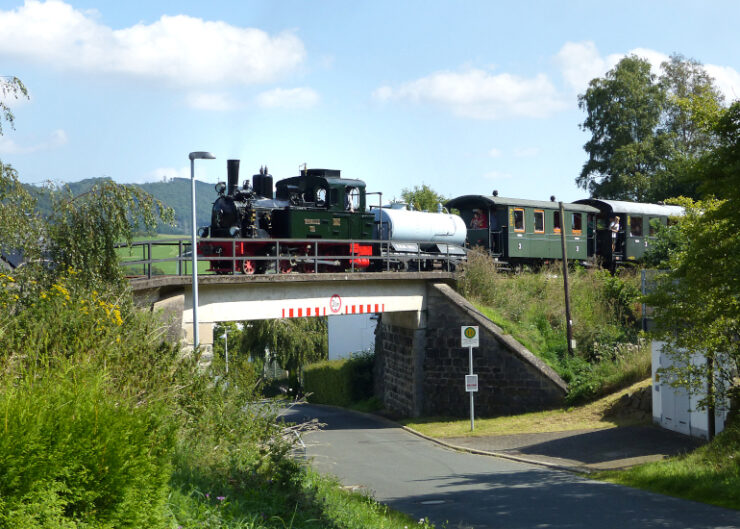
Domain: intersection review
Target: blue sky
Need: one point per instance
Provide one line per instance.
(464, 96)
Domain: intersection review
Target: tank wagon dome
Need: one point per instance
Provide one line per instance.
(471, 201)
(633, 208)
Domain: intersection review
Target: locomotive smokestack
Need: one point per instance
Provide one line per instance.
(232, 172)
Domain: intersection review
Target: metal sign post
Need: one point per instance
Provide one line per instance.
(469, 339)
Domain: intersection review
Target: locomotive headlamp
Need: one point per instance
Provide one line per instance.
(220, 188)
(234, 231)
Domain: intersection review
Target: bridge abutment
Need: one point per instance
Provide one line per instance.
(400, 349)
(420, 366)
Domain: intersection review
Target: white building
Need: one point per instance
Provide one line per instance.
(351, 334)
(674, 408)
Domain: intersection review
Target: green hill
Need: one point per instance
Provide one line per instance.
(175, 193)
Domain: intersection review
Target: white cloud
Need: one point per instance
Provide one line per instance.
(494, 153)
(655, 58)
(288, 98)
(727, 80)
(179, 50)
(497, 175)
(167, 173)
(56, 139)
(526, 152)
(216, 101)
(476, 93)
(580, 62)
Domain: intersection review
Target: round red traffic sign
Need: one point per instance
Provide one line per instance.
(335, 303)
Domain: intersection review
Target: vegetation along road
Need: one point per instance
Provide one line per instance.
(460, 490)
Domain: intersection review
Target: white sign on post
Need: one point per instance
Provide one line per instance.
(469, 336)
(469, 339)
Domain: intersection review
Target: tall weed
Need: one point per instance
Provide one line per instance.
(85, 398)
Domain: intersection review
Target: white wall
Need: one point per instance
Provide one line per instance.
(351, 334)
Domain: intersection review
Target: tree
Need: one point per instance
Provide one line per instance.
(693, 106)
(294, 342)
(20, 228)
(623, 111)
(648, 133)
(10, 87)
(83, 231)
(697, 302)
(422, 198)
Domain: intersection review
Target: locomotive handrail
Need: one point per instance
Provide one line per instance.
(175, 254)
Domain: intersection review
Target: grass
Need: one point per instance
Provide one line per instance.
(593, 415)
(710, 474)
(308, 501)
(163, 250)
(610, 352)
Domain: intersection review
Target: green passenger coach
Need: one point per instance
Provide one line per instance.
(636, 231)
(519, 231)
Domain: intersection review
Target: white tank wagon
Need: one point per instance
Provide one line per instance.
(420, 239)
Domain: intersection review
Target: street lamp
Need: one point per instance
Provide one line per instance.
(226, 348)
(199, 155)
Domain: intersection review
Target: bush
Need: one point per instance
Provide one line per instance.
(73, 448)
(530, 306)
(340, 382)
(86, 393)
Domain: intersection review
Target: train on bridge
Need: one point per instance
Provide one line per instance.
(319, 221)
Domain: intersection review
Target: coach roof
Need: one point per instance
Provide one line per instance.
(467, 201)
(633, 208)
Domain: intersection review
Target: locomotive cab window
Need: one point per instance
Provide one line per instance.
(518, 214)
(575, 223)
(636, 226)
(539, 221)
(556, 221)
(351, 199)
(320, 196)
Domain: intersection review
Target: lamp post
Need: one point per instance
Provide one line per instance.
(226, 348)
(199, 155)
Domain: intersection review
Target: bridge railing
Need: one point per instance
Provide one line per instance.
(173, 256)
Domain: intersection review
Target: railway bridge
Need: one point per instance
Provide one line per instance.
(420, 366)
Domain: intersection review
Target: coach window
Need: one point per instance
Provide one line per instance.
(556, 221)
(575, 223)
(518, 219)
(652, 221)
(539, 221)
(636, 226)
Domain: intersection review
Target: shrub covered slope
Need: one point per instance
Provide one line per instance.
(605, 310)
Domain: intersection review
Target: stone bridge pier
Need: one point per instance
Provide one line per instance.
(420, 366)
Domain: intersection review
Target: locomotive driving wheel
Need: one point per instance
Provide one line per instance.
(247, 267)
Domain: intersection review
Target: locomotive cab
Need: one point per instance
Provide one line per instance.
(322, 205)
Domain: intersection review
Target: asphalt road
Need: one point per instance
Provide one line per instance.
(460, 490)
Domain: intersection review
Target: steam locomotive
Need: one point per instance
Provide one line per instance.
(320, 221)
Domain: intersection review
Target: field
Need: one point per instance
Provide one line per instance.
(165, 248)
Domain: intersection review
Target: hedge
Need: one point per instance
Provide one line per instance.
(339, 382)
